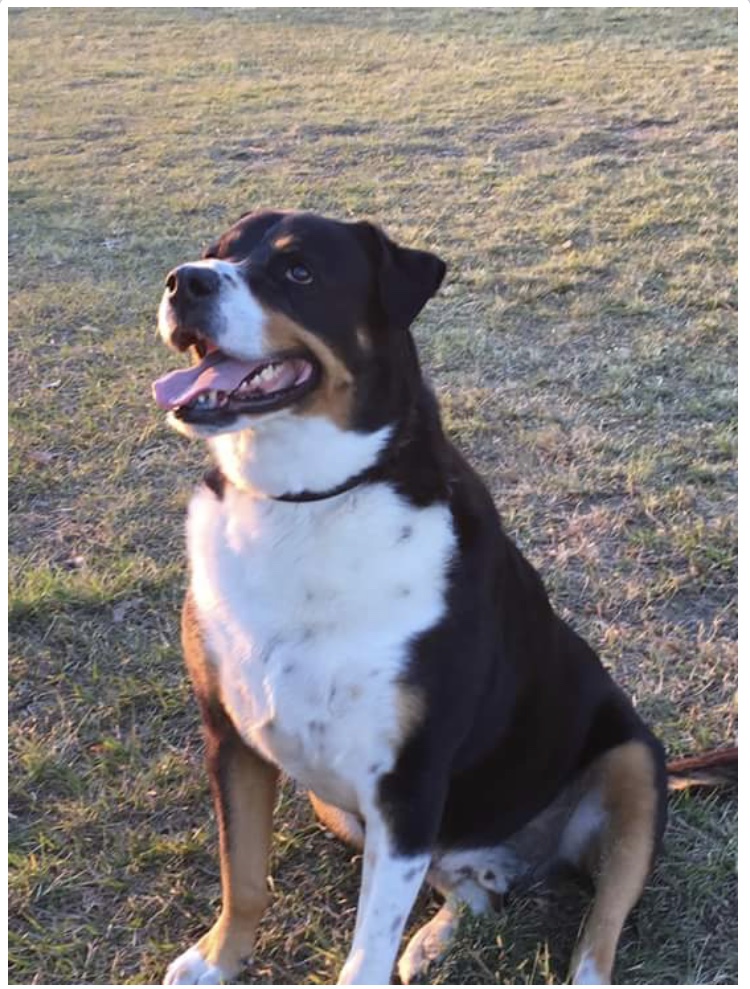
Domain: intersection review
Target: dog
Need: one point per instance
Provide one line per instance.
(357, 618)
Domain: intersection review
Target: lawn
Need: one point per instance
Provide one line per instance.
(577, 169)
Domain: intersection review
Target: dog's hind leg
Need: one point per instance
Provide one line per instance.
(613, 834)
(433, 940)
(346, 826)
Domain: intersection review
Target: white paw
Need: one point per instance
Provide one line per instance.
(587, 974)
(428, 945)
(192, 969)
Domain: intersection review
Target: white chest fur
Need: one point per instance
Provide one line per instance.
(308, 611)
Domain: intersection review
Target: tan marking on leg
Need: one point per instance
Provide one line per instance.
(244, 798)
(244, 792)
(623, 850)
(334, 395)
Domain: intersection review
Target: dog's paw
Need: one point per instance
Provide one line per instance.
(192, 969)
(427, 946)
(587, 973)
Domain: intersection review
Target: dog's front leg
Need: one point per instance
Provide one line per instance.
(244, 790)
(390, 883)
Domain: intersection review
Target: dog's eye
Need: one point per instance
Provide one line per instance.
(299, 274)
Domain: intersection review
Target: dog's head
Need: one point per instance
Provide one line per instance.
(290, 314)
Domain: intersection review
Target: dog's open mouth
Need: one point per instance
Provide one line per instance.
(221, 387)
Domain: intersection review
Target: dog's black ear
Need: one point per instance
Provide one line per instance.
(407, 279)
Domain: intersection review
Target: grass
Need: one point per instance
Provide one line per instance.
(577, 170)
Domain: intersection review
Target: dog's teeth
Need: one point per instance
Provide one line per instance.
(267, 372)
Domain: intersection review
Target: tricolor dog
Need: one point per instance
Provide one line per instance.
(357, 618)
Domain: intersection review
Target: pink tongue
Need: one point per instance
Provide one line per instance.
(216, 372)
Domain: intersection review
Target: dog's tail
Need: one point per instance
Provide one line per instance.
(717, 767)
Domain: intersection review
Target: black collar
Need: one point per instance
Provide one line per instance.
(370, 474)
(216, 481)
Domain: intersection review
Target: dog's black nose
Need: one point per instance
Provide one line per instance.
(191, 283)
